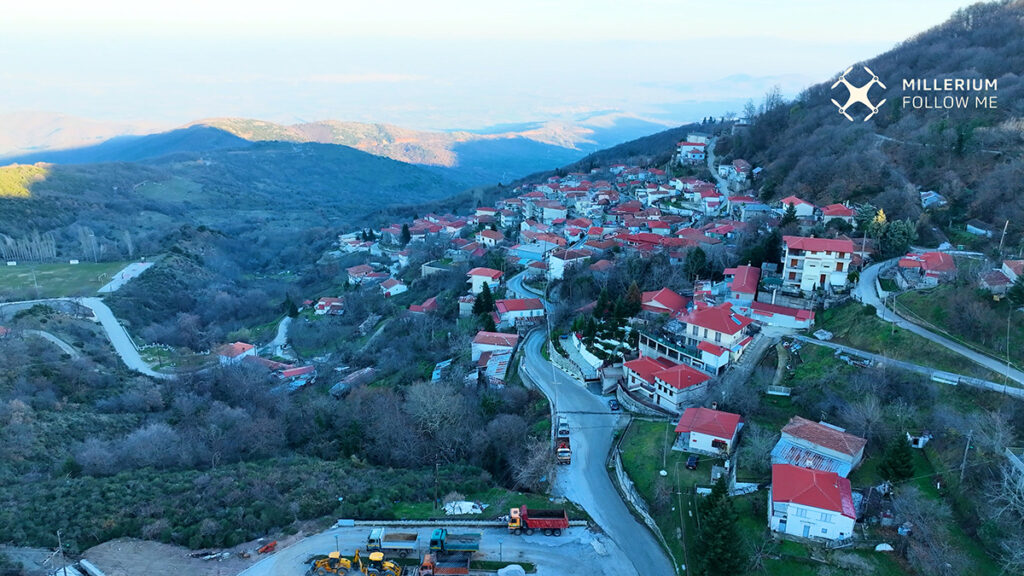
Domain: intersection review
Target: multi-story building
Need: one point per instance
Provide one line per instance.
(811, 263)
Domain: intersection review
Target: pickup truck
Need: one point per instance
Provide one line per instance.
(401, 543)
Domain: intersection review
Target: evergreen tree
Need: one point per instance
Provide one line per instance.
(720, 542)
(620, 309)
(290, 308)
(634, 299)
(789, 216)
(898, 463)
(601, 308)
(406, 235)
(487, 323)
(696, 263)
(484, 301)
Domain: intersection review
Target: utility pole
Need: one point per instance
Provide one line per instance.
(1003, 237)
(63, 561)
(437, 467)
(963, 464)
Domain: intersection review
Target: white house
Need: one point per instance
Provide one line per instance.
(664, 383)
(489, 238)
(810, 503)
(742, 282)
(234, 353)
(329, 305)
(494, 342)
(803, 208)
(838, 212)
(392, 287)
(708, 431)
(811, 263)
(511, 311)
(480, 276)
(561, 260)
(718, 325)
(818, 445)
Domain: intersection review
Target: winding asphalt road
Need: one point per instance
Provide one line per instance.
(866, 293)
(116, 333)
(586, 480)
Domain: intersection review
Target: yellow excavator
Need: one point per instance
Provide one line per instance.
(334, 563)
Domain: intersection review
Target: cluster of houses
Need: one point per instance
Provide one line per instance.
(292, 377)
(810, 496)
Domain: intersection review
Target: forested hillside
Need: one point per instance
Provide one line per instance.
(973, 156)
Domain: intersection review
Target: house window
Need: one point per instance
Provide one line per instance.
(801, 513)
(719, 444)
(718, 336)
(792, 275)
(792, 262)
(839, 266)
(826, 517)
(694, 330)
(705, 332)
(824, 530)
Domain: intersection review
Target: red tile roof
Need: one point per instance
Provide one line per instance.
(646, 367)
(719, 318)
(818, 244)
(795, 201)
(824, 436)
(486, 272)
(838, 210)
(705, 346)
(360, 270)
(234, 350)
(1015, 266)
(429, 305)
(300, 371)
(496, 339)
(492, 234)
(745, 279)
(390, 283)
(710, 422)
(814, 488)
(769, 309)
(682, 376)
(929, 262)
(664, 300)
(571, 254)
(518, 305)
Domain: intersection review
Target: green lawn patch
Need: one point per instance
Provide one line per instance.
(853, 327)
(499, 501)
(55, 280)
(938, 308)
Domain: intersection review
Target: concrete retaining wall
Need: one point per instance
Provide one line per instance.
(629, 403)
(628, 491)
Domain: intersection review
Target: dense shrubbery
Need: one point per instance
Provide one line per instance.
(972, 156)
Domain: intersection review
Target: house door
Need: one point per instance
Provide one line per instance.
(822, 282)
(807, 531)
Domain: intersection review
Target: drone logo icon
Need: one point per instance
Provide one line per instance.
(858, 94)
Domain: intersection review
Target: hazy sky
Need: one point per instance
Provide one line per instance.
(431, 64)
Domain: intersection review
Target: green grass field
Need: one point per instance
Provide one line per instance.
(498, 501)
(853, 327)
(935, 307)
(55, 280)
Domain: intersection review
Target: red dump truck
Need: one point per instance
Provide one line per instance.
(441, 564)
(549, 522)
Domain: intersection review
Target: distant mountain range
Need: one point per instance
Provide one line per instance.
(487, 156)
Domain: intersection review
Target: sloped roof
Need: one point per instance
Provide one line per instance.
(719, 318)
(234, 350)
(496, 339)
(518, 305)
(839, 210)
(710, 422)
(664, 298)
(646, 367)
(814, 488)
(817, 244)
(744, 279)
(825, 436)
(487, 272)
(682, 376)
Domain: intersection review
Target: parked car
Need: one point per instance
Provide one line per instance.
(692, 461)
(613, 404)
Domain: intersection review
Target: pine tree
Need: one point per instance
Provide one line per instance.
(406, 235)
(789, 216)
(484, 301)
(601, 308)
(696, 263)
(898, 463)
(487, 323)
(291, 308)
(720, 543)
(634, 299)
